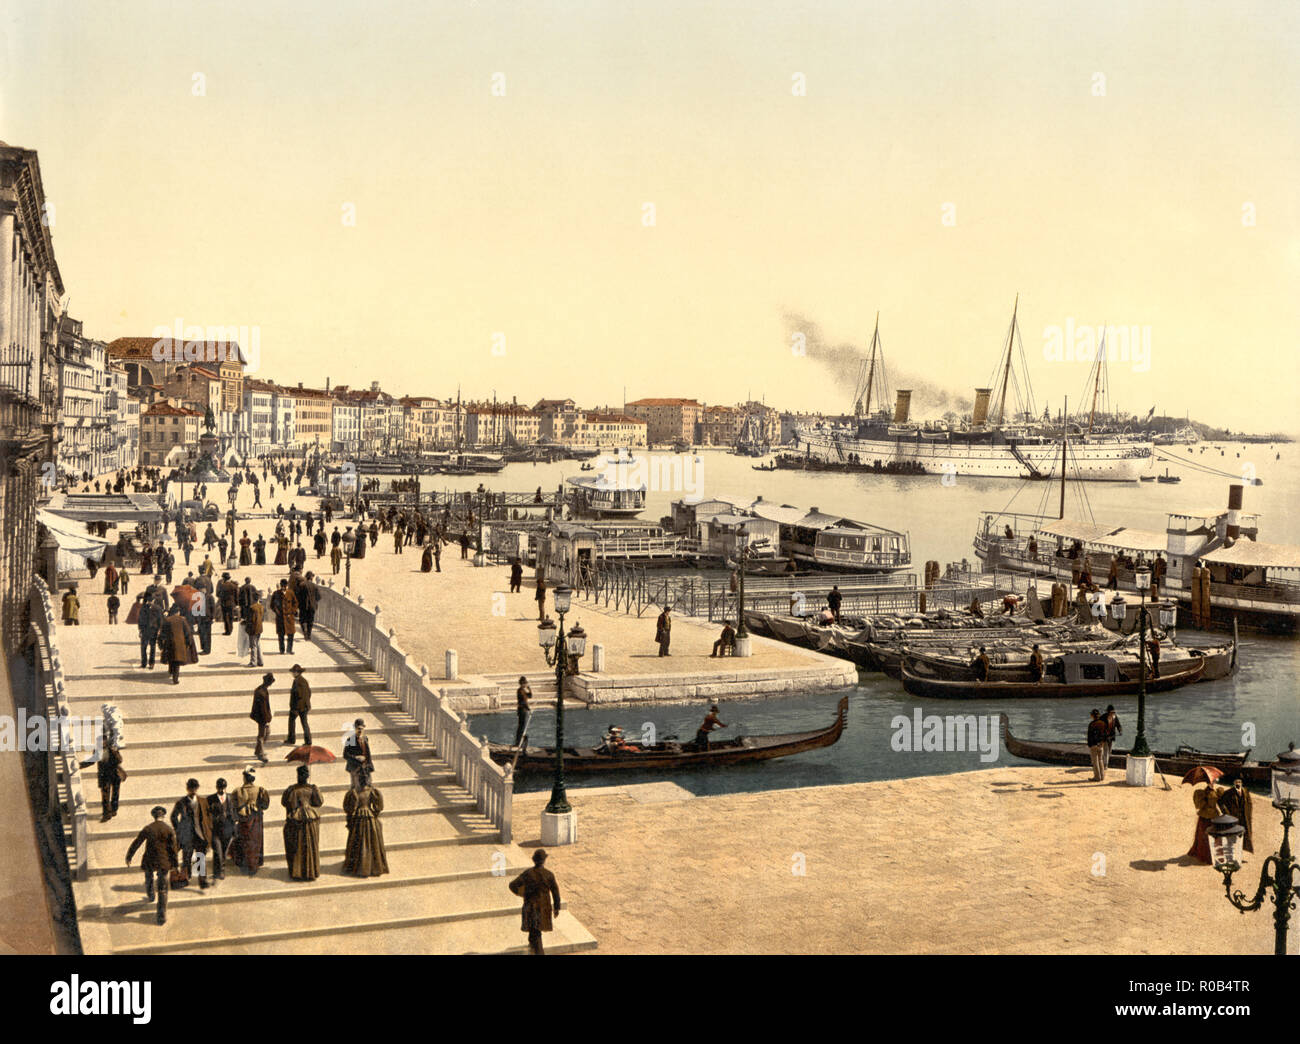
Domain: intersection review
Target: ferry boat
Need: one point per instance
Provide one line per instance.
(991, 445)
(1214, 566)
(599, 496)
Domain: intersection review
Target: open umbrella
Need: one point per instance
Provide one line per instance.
(1203, 774)
(310, 755)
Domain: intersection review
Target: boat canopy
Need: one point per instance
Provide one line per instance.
(603, 483)
(1120, 537)
(1256, 555)
(782, 513)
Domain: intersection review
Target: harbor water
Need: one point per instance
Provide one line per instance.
(1258, 703)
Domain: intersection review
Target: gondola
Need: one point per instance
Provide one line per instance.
(996, 690)
(1182, 761)
(667, 756)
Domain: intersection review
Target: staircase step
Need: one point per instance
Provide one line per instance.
(392, 766)
(467, 826)
(330, 780)
(200, 757)
(407, 867)
(328, 926)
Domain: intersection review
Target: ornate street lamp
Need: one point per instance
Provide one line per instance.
(1143, 580)
(741, 630)
(557, 647)
(1280, 872)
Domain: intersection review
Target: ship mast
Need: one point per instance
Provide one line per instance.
(1096, 386)
(871, 371)
(1065, 438)
(1006, 371)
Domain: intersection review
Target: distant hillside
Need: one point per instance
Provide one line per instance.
(1209, 433)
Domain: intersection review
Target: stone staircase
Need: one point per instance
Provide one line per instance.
(445, 893)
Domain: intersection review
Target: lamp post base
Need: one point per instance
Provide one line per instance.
(743, 647)
(559, 828)
(1140, 772)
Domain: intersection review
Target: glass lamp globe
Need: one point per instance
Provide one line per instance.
(1286, 779)
(1226, 836)
(1168, 616)
(563, 596)
(1142, 578)
(577, 641)
(1118, 609)
(546, 634)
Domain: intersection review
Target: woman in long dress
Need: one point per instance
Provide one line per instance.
(302, 827)
(245, 552)
(365, 852)
(282, 552)
(1207, 807)
(250, 802)
(259, 551)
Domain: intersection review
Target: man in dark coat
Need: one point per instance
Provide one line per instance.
(1235, 801)
(177, 641)
(537, 887)
(299, 705)
(516, 575)
(261, 713)
(221, 811)
(160, 852)
(149, 623)
(284, 607)
(308, 599)
(193, 825)
(664, 630)
(228, 598)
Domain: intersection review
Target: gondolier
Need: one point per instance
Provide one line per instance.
(711, 722)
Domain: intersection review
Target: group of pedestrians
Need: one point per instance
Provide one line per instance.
(1102, 730)
(205, 834)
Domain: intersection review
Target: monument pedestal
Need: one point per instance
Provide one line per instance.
(559, 828)
(1141, 772)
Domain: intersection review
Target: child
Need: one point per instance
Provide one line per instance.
(113, 603)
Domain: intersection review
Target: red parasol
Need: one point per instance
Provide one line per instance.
(1203, 774)
(310, 755)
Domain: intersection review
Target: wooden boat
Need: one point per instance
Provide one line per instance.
(1181, 761)
(670, 755)
(765, 467)
(938, 688)
(1166, 477)
(1146, 478)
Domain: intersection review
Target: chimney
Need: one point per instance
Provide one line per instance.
(1234, 512)
(981, 412)
(903, 406)
(327, 384)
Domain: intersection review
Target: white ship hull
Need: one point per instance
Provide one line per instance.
(1120, 461)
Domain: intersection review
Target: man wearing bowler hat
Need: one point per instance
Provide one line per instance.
(299, 705)
(537, 887)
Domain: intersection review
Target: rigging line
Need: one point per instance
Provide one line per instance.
(1196, 465)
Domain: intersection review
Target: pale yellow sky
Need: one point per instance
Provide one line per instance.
(523, 214)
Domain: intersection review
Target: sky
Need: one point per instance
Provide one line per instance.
(600, 200)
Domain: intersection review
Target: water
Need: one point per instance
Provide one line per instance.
(1261, 697)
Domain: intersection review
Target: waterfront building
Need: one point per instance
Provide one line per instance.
(669, 420)
(85, 436)
(123, 413)
(259, 407)
(607, 430)
(495, 424)
(313, 418)
(720, 426)
(166, 425)
(31, 305)
(345, 431)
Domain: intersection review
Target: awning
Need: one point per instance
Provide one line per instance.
(1075, 530)
(1126, 539)
(72, 541)
(1121, 538)
(1256, 555)
(782, 513)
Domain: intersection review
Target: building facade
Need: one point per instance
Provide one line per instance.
(165, 426)
(31, 305)
(669, 420)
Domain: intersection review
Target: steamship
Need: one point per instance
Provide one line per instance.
(989, 446)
